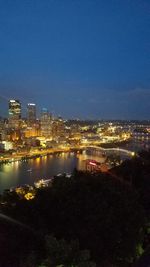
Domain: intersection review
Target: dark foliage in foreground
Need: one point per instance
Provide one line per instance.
(103, 214)
(137, 172)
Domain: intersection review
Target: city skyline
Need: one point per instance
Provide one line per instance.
(24, 112)
(79, 59)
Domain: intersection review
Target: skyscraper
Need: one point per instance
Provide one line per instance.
(14, 113)
(31, 113)
(46, 126)
(14, 109)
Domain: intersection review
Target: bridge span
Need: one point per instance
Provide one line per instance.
(118, 150)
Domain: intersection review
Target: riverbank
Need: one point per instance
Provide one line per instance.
(37, 153)
(33, 155)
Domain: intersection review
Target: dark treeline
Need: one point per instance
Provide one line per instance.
(84, 221)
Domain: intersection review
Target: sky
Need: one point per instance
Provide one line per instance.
(86, 59)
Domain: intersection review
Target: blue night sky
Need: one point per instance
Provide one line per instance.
(79, 58)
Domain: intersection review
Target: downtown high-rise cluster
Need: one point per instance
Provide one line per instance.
(19, 131)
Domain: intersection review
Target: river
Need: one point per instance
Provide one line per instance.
(27, 172)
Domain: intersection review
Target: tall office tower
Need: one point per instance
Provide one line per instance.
(58, 128)
(2, 130)
(31, 113)
(14, 113)
(46, 123)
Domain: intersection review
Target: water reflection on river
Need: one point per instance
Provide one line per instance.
(27, 172)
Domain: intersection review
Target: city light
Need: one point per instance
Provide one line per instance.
(92, 163)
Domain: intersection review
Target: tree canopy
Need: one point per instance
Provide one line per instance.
(80, 220)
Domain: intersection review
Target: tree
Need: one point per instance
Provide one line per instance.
(99, 211)
(60, 253)
(102, 213)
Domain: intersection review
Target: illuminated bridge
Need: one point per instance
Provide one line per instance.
(115, 150)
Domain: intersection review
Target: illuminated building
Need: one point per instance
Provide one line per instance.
(14, 135)
(141, 136)
(31, 131)
(6, 145)
(2, 130)
(46, 127)
(58, 128)
(14, 113)
(31, 113)
(14, 109)
(92, 166)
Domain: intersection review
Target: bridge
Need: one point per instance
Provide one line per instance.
(117, 149)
